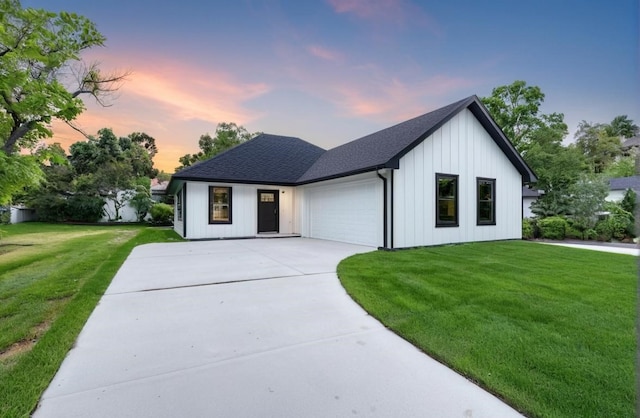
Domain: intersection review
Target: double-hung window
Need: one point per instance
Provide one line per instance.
(446, 200)
(486, 202)
(219, 205)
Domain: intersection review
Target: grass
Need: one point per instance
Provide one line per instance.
(551, 330)
(51, 278)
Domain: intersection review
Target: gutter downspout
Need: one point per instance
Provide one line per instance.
(392, 205)
(184, 210)
(384, 208)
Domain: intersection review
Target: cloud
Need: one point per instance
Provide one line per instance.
(397, 12)
(393, 99)
(324, 53)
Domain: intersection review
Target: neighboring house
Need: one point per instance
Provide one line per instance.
(158, 190)
(631, 146)
(448, 176)
(21, 213)
(529, 196)
(618, 187)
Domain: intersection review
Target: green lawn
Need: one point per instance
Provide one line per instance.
(51, 277)
(551, 330)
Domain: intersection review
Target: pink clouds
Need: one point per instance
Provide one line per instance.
(394, 100)
(398, 12)
(324, 53)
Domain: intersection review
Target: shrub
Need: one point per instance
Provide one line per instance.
(161, 213)
(528, 228)
(554, 227)
(83, 208)
(50, 208)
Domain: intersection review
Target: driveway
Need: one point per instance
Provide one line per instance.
(248, 328)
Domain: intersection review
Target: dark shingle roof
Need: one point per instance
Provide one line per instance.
(624, 183)
(631, 142)
(383, 149)
(281, 160)
(266, 159)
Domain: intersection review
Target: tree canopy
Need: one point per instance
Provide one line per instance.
(516, 109)
(42, 78)
(227, 135)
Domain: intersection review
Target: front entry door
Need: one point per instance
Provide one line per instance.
(268, 211)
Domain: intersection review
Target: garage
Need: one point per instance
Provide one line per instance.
(349, 212)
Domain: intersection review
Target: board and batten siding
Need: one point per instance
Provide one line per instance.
(349, 210)
(244, 211)
(464, 148)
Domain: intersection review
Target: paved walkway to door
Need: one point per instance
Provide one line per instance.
(248, 328)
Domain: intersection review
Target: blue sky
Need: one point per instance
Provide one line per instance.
(330, 71)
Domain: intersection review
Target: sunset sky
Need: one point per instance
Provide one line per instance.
(330, 71)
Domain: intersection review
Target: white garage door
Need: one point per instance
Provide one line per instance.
(348, 212)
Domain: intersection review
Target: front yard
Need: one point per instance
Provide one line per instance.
(551, 330)
(51, 277)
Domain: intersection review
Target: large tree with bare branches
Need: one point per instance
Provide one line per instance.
(42, 78)
(42, 75)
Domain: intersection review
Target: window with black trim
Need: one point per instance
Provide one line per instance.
(179, 205)
(486, 189)
(219, 205)
(446, 199)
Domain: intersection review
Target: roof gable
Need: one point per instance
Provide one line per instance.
(282, 160)
(383, 149)
(265, 159)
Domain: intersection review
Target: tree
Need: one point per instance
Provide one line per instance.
(141, 200)
(37, 49)
(587, 198)
(516, 109)
(622, 126)
(622, 167)
(599, 148)
(228, 135)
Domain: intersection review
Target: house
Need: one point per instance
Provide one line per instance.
(529, 196)
(449, 176)
(618, 187)
(631, 146)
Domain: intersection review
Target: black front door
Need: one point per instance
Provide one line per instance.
(268, 211)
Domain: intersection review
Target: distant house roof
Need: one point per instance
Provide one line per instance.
(624, 183)
(527, 192)
(281, 160)
(631, 142)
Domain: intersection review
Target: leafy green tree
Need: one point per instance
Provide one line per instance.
(141, 200)
(37, 49)
(17, 172)
(622, 167)
(587, 198)
(598, 147)
(227, 135)
(622, 126)
(516, 109)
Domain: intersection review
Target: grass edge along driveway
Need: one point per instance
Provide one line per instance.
(53, 276)
(551, 330)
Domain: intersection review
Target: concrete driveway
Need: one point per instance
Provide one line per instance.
(248, 328)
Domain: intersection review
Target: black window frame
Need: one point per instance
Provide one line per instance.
(456, 222)
(229, 203)
(179, 205)
(491, 181)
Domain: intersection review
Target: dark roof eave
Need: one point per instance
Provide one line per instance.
(392, 164)
(234, 181)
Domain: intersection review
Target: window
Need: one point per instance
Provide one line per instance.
(179, 205)
(486, 201)
(219, 205)
(446, 200)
